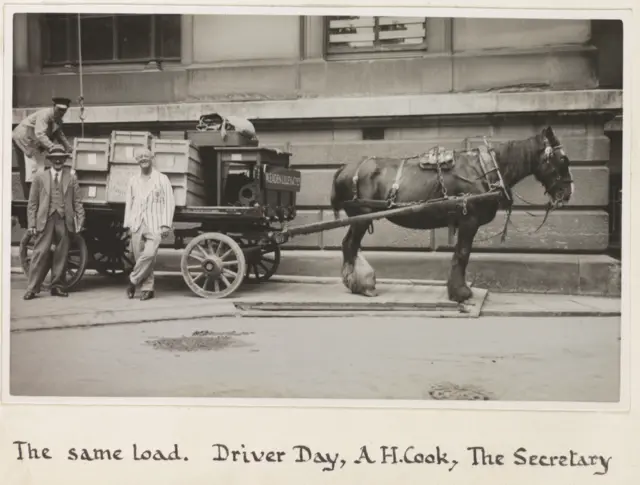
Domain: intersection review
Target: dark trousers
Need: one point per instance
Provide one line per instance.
(55, 231)
(17, 152)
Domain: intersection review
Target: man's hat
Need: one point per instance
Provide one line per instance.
(62, 102)
(57, 151)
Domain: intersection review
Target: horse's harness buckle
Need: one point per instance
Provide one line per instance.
(487, 151)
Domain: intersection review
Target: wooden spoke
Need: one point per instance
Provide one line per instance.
(262, 261)
(77, 260)
(211, 278)
(110, 247)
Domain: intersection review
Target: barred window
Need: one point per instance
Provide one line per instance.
(110, 38)
(347, 35)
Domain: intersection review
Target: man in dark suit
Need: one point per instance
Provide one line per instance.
(54, 213)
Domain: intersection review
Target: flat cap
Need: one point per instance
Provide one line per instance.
(65, 102)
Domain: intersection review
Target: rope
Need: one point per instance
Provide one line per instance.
(81, 97)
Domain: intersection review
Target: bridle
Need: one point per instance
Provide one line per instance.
(549, 151)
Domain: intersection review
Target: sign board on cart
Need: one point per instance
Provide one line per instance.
(282, 179)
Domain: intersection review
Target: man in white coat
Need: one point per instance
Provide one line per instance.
(149, 210)
(36, 136)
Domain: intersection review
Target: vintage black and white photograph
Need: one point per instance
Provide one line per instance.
(373, 205)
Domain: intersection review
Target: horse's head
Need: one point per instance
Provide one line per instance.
(552, 169)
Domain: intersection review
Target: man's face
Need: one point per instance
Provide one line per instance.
(58, 162)
(145, 163)
(59, 112)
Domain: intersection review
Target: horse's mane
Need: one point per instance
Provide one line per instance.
(516, 157)
(519, 149)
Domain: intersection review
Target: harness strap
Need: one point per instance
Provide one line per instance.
(483, 152)
(489, 152)
(355, 179)
(393, 194)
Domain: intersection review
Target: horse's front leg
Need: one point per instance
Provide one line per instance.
(357, 275)
(457, 286)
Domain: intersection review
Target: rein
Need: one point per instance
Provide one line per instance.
(549, 207)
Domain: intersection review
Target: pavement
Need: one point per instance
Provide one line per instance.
(100, 300)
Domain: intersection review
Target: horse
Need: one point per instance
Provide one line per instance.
(374, 184)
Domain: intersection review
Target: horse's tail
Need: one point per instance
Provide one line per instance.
(336, 204)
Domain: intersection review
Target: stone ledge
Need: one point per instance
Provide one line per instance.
(571, 274)
(595, 275)
(385, 106)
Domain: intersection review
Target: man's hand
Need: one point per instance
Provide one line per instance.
(165, 231)
(32, 231)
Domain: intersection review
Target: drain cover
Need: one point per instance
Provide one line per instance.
(453, 392)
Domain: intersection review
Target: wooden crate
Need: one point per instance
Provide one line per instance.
(91, 154)
(187, 189)
(125, 145)
(177, 156)
(214, 139)
(93, 186)
(16, 187)
(118, 181)
(262, 155)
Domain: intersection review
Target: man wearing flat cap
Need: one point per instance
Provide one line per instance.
(54, 214)
(36, 136)
(148, 214)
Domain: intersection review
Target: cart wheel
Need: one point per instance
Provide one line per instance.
(213, 265)
(262, 262)
(111, 249)
(76, 260)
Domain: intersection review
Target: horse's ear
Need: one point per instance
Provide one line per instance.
(549, 135)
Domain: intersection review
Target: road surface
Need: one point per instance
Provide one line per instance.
(496, 358)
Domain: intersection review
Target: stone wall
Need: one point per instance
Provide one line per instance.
(464, 55)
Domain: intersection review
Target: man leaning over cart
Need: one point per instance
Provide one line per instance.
(148, 214)
(36, 136)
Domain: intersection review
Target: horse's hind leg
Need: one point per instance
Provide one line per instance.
(357, 275)
(457, 285)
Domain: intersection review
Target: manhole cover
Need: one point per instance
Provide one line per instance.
(200, 340)
(453, 392)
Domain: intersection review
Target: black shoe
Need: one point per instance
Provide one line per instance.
(58, 292)
(146, 295)
(131, 290)
(29, 295)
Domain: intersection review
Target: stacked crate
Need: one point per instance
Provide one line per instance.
(125, 145)
(90, 160)
(104, 167)
(180, 161)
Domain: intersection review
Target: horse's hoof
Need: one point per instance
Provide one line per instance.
(460, 294)
(370, 293)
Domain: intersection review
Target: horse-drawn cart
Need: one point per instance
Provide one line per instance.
(230, 220)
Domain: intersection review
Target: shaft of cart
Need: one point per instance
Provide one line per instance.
(286, 234)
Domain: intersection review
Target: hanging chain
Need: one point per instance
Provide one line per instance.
(441, 180)
(81, 97)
